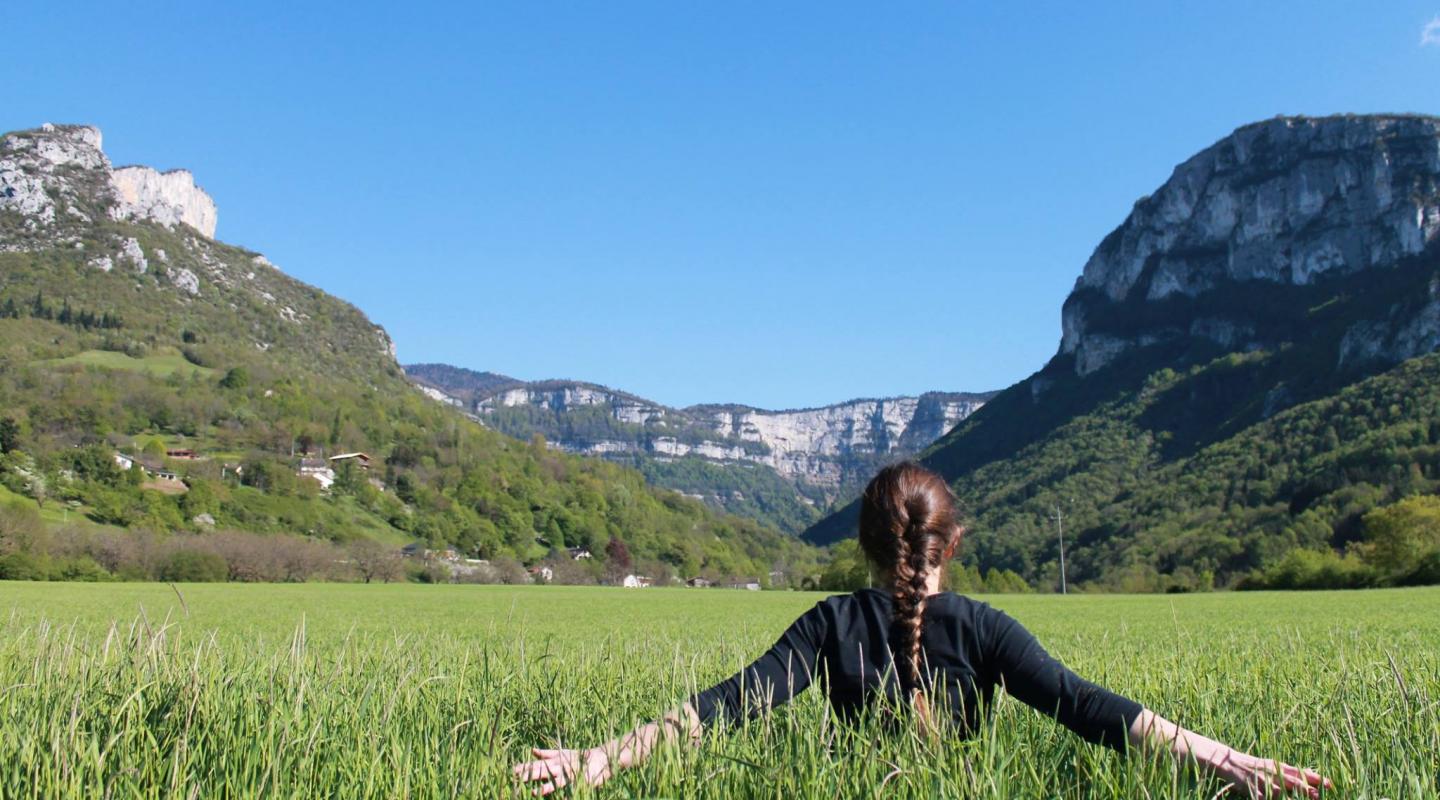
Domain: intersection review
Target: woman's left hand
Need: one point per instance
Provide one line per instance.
(554, 769)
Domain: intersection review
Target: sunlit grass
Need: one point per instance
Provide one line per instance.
(163, 363)
(432, 691)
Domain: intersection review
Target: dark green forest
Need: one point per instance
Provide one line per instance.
(1184, 467)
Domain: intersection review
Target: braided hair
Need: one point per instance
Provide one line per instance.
(908, 529)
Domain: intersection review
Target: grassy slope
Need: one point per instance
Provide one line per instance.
(379, 691)
(160, 365)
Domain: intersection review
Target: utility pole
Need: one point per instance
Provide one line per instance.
(1060, 534)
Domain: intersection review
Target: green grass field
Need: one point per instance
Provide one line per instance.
(162, 364)
(340, 690)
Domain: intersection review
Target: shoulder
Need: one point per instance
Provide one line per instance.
(960, 605)
(981, 619)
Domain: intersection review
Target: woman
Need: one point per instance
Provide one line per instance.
(932, 650)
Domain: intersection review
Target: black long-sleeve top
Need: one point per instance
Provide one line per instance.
(969, 648)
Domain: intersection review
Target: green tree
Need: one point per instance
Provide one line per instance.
(1399, 536)
(236, 378)
(9, 435)
(848, 569)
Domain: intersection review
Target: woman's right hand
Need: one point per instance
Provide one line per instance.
(1264, 777)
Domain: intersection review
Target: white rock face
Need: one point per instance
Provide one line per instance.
(32, 162)
(814, 446)
(186, 281)
(438, 396)
(38, 165)
(1284, 201)
(131, 251)
(169, 198)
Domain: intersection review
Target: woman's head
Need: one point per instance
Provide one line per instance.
(908, 523)
(908, 530)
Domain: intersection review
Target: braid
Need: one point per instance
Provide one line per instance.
(908, 527)
(911, 574)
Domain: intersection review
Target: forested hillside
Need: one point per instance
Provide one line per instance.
(220, 378)
(1228, 407)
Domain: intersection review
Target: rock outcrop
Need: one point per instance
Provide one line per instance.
(1288, 201)
(56, 188)
(42, 175)
(169, 198)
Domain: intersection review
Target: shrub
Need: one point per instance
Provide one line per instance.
(24, 567)
(1315, 569)
(192, 566)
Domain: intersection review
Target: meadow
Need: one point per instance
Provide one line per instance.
(343, 690)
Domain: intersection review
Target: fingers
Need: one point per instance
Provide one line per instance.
(1277, 779)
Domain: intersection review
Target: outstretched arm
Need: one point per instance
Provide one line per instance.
(1260, 777)
(554, 769)
(1104, 717)
(784, 671)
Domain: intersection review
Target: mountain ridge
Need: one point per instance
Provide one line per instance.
(1200, 322)
(820, 452)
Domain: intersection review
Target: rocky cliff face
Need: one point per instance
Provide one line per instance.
(1288, 201)
(169, 198)
(38, 178)
(821, 453)
(60, 194)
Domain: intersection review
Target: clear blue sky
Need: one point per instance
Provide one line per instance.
(781, 204)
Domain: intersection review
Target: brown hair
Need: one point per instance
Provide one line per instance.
(908, 529)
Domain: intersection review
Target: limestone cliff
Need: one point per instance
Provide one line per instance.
(823, 452)
(59, 194)
(1289, 201)
(169, 198)
(37, 169)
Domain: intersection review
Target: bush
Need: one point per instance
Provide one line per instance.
(24, 567)
(1426, 573)
(1315, 569)
(192, 566)
(81, 568)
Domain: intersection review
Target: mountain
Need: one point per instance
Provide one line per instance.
(783, 467)
(1246, 370)
(127, 330)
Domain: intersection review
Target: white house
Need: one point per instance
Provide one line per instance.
(318, 469)
(125, 462)
(636, 582)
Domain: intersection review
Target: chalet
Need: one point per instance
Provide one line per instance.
(542, 574)
(154, 467)
(636, 582)
(125, 462)
(577, 553)
(699, 583)
(183, 453)
(414, 550)
(317, 469)
(752, 586)
(359, 459)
